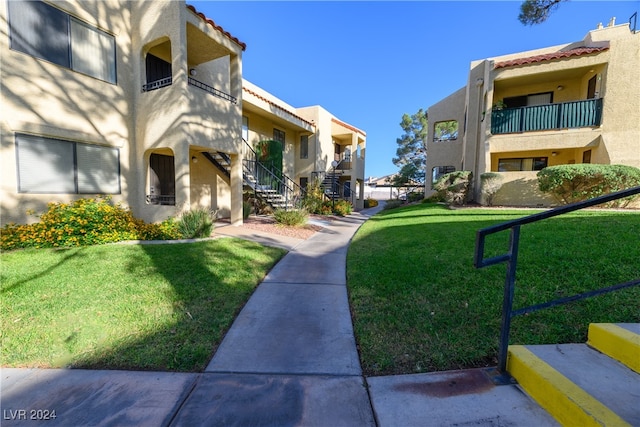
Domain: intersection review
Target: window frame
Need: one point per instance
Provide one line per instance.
(18, 38)
(445, 170)
(22, 138)
(304, 146)
(521, 160)
(277, 134)
(447, 137)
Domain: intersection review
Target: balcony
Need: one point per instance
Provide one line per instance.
(575, 114)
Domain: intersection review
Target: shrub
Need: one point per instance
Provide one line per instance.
(196, 223)
(370, 203)
(246, 210)
(490, 183)
(313, 198)
(293, 217)
(574, 183)
(326, 208)
(392, 204)
(342, 207)
(81, 223)
(453, 187)
(415, 196)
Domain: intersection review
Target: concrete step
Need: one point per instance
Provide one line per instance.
(577, 384)
(620, 341)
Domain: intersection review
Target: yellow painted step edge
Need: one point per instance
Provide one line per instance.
(564, 400)
(616, 342)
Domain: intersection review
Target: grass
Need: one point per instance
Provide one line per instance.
(419, 305)
(144, 307)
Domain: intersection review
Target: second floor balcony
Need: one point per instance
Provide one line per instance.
(575, 114)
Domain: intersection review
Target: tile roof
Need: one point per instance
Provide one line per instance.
(217, 27)
(549, 56)
(352, 128)
(277, 106)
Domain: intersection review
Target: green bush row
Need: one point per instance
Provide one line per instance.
(574, 183)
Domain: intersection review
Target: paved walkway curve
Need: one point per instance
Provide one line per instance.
(290, 357)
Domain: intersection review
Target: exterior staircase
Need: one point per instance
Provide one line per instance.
(331, 185)
(276, 191)
(275, 199)
(592, 384)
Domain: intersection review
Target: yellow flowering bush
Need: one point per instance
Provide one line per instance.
(84, 222)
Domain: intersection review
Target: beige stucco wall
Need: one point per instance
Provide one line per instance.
(48, 100)
(180, 120)
(521, 189)
(445, 153)
(184, 118)
(330, 129)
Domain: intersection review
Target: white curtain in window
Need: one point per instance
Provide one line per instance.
(98, 169)
(92, 52)
(45, 165)
(539, 99)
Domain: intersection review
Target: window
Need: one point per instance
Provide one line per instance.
(162, 180)
(245, 128)
(304, 182)
(438, 171)
(158, 73)
(522, 164)
(304, 147)
(41, 30)
(278, 135)
(445, 131)
(586, 156)
(591, 89)
(529, 100)
(47, 165)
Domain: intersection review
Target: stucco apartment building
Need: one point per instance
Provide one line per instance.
(573, 103)
(131, 99)
(312, 139)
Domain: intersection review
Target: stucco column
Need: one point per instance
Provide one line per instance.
(183, 178)
(235, 185)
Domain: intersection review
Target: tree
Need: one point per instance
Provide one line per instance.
(411, 154)
(537, 11)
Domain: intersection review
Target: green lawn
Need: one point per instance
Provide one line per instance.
(148, 307)
(419, 305)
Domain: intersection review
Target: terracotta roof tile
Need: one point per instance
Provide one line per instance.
(277, 106)
(218, 27)
(343, 124)
(549, 56)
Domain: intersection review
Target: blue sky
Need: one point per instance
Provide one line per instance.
(369, 62)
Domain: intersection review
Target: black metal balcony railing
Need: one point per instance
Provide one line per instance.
(212, 90)
(159, 199)
(157, 84)
(547, 116)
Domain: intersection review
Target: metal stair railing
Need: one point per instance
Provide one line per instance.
(272, 178)
(511, 258)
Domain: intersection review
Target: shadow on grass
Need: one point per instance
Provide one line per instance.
(419, 305)
(205, 302)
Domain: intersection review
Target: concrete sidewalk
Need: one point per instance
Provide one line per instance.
(290, 358)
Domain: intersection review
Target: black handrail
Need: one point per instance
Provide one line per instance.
(511, 258)
(273, 177)
(212, 90)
